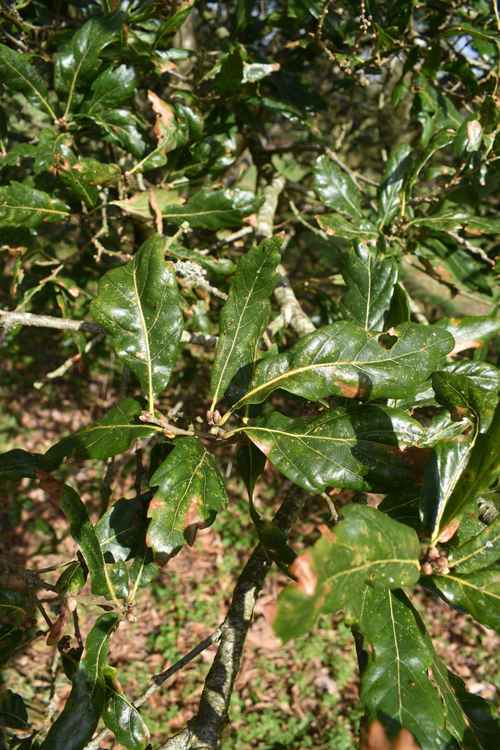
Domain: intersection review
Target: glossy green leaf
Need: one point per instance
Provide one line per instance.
(190, 492)
(123, 719)
(121, 127)
(482, 469)
(139, 306)
(478, 593)
(212, 209)
(76, 64)
(245, 315)
(470, 330)
(72, 579)
(74, 727)
(397, 167)
(464, 394)
(250, 462)
(335, 225)
(468, 717)
(17, 463)
(23, 206)
(396, 683)
(336, 188)
(367, 549)
(18, 74)
(478, 552)
(84, 176)
(121, 529)
(13, 711)
(109, 436)
(343, 359)
(112, 87)
(370, 283)
(441, 477)
(85, 536)
(361, 448)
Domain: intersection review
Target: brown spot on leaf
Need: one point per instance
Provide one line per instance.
(444, 274)
(326, 532)
(449, 531)
(303, 572)
(156, 504)
(375, 738)
(405, 741)
(193, 521)
(164, 115)
(350, 391)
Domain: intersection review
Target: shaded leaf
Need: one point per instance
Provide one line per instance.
(367, 549)
(18, 463)
(109, 436)
(190, 492)
(360, 448)
(212, 209)
(245, 315)
(465, 396)
(482, 469)
(478, 593)
(343, 359)
(336, 225)
(397, 167)
(395, 683)
(13, 711)
(77, 62)
(336, 188)
(250, 462)
(370, 283)
(441, 476)
(139, 306)
(468, 716)
(123, 719)
(74, 727)
(478, 552)
(121, 127)
(19, 75)
(121, 529)
(83, 533)
(23, 206)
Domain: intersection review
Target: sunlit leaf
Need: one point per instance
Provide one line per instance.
(343, 359)
(245, 315)
(336, 188)
(370, 282)
(23, 206)
(139, 306)
(190, 492)
(366, 551)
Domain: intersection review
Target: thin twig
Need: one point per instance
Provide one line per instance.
(12, 318)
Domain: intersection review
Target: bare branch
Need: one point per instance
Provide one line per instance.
(12, 318)
(291, 310)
